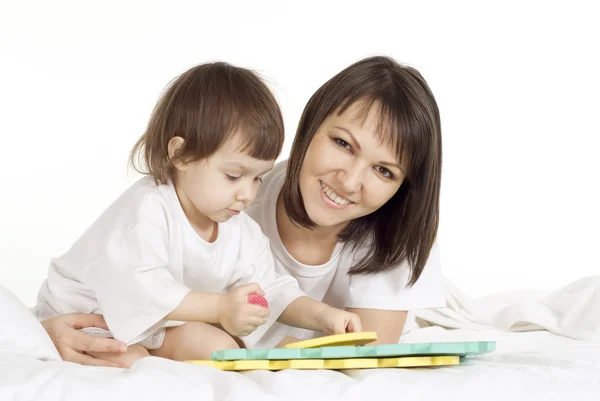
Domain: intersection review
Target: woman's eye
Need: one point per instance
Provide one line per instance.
(232, 178)
(384, 172)
(342, 143)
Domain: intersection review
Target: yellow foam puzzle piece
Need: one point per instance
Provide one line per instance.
(353, 339)
(332, 364)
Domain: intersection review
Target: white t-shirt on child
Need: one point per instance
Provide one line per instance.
(137, 262)
(330, 282)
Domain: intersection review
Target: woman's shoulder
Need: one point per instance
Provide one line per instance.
(273, 178)
(269, 189)
(390, 289)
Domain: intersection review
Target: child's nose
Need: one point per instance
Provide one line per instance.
(245, 193)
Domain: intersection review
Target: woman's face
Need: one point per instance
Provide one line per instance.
(348, 171)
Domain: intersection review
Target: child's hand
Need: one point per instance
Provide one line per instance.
(337, 321)
(238, 317)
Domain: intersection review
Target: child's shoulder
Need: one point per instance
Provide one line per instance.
(145, 189)
(147, 199)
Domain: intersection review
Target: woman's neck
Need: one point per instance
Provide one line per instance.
(308, 246)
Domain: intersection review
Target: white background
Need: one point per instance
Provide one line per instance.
(517, 85)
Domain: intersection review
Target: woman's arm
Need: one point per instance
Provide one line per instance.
(388, 324)
(73, 345)
(382, 300)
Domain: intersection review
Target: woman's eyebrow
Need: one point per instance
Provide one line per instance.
(384, 163)
(388, 164)
(349, 133)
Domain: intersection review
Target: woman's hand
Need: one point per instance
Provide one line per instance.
(73, 344)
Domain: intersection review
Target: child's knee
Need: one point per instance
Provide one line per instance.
(194, 340)
(208, 334)
(225, 341)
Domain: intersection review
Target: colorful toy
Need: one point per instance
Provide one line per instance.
(332, 364)
(258, 300)
(346, 351)
(355, 339)
(460, 349)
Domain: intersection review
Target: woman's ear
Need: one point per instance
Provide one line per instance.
(174, 147)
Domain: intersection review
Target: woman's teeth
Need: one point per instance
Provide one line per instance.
(333, 196)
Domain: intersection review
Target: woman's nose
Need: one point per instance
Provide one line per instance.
(351, 179)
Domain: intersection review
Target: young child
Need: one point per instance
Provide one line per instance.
(171, 263)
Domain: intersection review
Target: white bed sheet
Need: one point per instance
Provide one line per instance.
(535, 365)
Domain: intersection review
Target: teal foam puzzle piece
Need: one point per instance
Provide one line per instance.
(461, 349)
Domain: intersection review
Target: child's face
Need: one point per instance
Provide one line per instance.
(223, 185)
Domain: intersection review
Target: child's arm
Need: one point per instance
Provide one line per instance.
(288, 304)
(197, 306)
(307, 313)
(231, 310)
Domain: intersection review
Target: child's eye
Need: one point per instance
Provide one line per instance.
(232, 178)
(342, 143)
(384, 172)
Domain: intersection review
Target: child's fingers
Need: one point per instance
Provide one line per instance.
(256, 310)
(249, 328)
(246, 331)
(256, 321)
(338, 326)
(354, 326)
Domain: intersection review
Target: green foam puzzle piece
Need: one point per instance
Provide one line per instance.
(461, 349)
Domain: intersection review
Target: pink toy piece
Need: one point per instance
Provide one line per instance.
(258, 300)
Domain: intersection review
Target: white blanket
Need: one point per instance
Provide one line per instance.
(572, 311)
(534, 366)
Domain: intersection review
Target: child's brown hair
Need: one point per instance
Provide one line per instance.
(206, 106)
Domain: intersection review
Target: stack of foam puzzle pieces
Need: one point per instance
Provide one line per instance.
(346, 351)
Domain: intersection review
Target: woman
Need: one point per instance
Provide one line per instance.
(353, 214)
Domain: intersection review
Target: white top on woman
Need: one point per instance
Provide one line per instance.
(330, 282)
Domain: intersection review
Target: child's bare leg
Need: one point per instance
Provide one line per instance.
(287, 340)
(134, 353)
(193, 340)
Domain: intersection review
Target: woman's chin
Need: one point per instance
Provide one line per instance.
(325, 220)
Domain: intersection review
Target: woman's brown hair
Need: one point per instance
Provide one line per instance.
(207, 105)
(405, 228)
